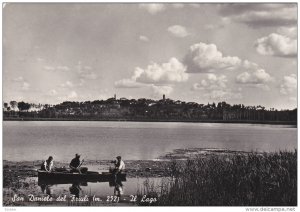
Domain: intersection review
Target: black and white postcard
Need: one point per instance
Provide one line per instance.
(149, 104)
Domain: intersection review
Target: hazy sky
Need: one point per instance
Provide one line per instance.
(238, 53)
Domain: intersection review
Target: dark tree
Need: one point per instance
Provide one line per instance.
(5, 105)
(23, 106)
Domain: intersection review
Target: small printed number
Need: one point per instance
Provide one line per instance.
(112, 199)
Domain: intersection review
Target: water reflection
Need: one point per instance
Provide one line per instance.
(46, 189)
(116, 186)
(75, 189)
(131, 186)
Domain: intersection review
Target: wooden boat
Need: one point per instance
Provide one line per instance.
(61, 177)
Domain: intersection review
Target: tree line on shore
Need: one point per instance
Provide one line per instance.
(146, 109)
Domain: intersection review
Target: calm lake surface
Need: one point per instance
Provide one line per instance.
(36, 140)
(131, 186)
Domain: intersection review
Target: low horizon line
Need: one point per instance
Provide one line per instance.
(114, 97)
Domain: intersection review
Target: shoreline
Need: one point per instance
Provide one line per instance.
(294, 123)
(15, 173)
(179, 154)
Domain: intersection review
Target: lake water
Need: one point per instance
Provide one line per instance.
(32, 140)
(36, 140)
(132, 186)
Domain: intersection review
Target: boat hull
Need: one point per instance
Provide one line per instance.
(67, 177)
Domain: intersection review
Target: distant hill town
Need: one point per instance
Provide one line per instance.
(146, 110)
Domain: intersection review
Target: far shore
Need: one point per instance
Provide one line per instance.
(294, 123)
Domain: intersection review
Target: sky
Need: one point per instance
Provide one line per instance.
(238, 53)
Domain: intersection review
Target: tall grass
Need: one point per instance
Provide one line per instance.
(268, 179)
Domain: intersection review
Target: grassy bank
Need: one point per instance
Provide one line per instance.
(252, 179)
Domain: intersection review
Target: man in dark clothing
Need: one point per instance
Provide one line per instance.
(75, 164)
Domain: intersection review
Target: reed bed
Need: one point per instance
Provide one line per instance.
(253, 179)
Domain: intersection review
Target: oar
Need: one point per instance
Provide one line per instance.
(81, 162)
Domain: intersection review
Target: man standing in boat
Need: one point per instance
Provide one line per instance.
(75, 164)
(119, 166)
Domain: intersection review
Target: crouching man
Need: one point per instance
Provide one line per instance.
(75, 164)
